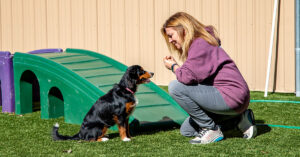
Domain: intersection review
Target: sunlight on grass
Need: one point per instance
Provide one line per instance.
(29, 135)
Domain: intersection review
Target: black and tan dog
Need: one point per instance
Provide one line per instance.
(112, 108)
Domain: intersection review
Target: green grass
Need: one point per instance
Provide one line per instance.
(28, 135)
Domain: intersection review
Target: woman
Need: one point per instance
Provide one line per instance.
(209, 86)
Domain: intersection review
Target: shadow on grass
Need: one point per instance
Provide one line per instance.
(262, 129)
(147, 128)
(229, 129)
(235, 132)
(152, 129)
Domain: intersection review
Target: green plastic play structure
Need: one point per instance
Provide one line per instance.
(69, 83)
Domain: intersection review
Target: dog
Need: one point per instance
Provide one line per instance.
(114, 107)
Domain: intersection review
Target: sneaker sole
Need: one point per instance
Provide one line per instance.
(199, 142)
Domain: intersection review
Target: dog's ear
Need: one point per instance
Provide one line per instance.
(133, 73)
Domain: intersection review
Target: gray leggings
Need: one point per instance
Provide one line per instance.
(203, 103)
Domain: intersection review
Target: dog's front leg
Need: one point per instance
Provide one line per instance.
(121, 122)
(127, 128)
(101, 137)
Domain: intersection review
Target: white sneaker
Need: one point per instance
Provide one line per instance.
(206, 136)
(247, 124)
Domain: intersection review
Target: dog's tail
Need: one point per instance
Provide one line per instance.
(56, 136)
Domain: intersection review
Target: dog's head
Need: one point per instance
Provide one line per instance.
(138, 74)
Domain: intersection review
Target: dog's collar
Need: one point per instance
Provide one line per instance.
(129, 90)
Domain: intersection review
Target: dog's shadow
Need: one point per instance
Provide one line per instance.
(146, 128)
(229, 130)
(149, 129)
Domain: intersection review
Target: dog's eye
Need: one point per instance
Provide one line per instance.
(143, 72)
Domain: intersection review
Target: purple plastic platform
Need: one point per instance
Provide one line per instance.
(6, 82)
(45, 51)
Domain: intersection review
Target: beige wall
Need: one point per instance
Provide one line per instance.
(129, 31)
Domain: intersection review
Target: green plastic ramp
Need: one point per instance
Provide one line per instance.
(76, 79)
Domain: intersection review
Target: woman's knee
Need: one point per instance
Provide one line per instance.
(174, 87)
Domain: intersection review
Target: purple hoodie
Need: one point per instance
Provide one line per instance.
(210, 65)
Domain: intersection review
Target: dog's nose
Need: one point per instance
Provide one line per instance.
(152, 74)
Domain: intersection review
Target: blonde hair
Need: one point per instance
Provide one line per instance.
(188, 29)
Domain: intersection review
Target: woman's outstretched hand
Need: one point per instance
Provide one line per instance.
(169, 61)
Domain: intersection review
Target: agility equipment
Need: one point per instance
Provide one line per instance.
(70, 82)
(7, 99)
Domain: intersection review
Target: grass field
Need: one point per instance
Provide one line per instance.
(28, 135)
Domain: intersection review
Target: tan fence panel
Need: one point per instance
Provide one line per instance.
(65, 23)
(147, 55)
(6, 26)
(104, 27)
(132, 29)
(161, 13)
(40, 24)
(17, 25)
(129, 31)
(28, 16)
(90, 24)
(53, 30)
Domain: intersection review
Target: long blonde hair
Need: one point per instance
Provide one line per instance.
(188, 28)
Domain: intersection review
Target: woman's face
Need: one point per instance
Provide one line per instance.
(174, 37)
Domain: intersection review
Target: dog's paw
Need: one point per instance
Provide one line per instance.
(56, 125)
(126, 139)
(103, 139)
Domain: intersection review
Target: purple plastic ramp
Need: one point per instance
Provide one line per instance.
(46, 51)
(7, 84)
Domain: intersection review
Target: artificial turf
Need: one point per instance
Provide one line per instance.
(29, 135)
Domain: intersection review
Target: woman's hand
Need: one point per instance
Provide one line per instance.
(169, 61)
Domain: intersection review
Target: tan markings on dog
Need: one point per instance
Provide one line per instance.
(103, 133)
(122, 130)
(116, 120)
(146, 75)
(129, 107)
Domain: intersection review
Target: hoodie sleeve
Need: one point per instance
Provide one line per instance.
(200, 63)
